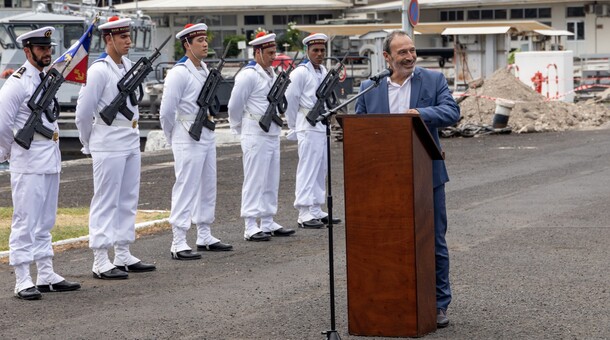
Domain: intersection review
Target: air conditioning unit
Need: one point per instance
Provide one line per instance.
(361, 2)
(601, 10)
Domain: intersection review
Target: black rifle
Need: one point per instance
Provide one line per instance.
(207, 99)
(50, 85)
(131, 81)
(326, 93)
(277, 101)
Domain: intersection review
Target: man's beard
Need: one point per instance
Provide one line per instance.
(39, 62)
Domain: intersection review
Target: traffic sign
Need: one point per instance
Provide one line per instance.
(413, 12)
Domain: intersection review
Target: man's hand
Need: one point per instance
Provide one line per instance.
(413, 111)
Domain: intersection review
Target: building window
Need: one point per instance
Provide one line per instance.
(575, 12)
(578, 28)
(218, 42)
(500, 14)
(487, 14)
(254, 20)
(452, 15)
(324, 16)
(71, 34)
(181, 20)
(216, 20)
(516, 13)
(310, 19)
(544, 12)
(280, 20)
(530, 13)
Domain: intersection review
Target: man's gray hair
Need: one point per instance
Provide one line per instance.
(388, 40)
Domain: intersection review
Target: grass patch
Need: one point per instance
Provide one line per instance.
(70, 223)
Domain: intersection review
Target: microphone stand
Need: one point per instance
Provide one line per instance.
(332, 334)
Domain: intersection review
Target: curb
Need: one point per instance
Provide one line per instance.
(85, 238)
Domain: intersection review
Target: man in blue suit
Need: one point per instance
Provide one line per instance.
(415, 90)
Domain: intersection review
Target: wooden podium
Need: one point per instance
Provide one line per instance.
(389, 224)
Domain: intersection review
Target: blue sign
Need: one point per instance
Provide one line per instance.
(413, 13)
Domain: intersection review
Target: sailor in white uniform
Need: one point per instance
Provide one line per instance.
(115, 150)
(310, 189)
(194, 193)
(261, 150)
(34, 173)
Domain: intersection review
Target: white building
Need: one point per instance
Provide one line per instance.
(588, 20)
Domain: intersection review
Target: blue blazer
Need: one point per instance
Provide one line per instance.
(430, 96)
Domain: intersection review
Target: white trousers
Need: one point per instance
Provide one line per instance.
(194, 193)
(116, 185)
(34, 211)
(261, 161)
(310, 189)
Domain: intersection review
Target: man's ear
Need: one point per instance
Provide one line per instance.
(386, 56)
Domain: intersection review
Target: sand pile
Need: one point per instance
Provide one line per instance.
(532, 112)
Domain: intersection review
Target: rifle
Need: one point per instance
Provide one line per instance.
(131, 81)
(276, 99)
(205, 99)
(326, 93)
(50, 85)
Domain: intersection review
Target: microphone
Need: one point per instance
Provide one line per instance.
(385, 73)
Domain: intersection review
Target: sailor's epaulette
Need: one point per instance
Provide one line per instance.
(19, 72)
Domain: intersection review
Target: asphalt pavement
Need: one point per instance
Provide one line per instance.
(528, 238)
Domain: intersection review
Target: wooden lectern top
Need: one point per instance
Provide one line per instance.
(418, 125)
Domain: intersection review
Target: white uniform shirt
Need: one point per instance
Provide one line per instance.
(44, 156)
(301, 96)
(179, 102)
(101, 88)
(248, 101)
(399, 96)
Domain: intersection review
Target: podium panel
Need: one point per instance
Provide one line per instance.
(389, 219)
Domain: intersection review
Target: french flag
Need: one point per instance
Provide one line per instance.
(74, 62)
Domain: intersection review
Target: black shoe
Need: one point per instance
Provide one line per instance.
(63, 286)
(138, 267)
(335, 220)
(112, 274)
(186, 255)
(260, 236)
(312, 224)
(29, 294)
(442, 320)
(218, 246)
(281, 232)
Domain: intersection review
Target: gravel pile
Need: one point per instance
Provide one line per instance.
(532, 111)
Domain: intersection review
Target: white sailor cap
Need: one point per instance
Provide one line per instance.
(315, 38)
(41, 36)
(263, 40)
(116, 25)
(191, 31)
